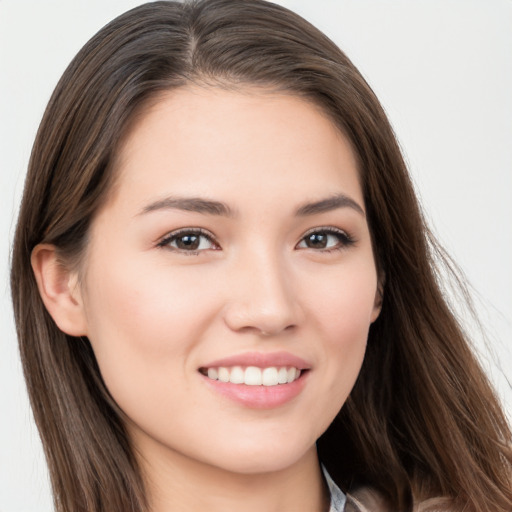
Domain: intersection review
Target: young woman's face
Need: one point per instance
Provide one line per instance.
(235, 248)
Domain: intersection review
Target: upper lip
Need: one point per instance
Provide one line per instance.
(261, 360)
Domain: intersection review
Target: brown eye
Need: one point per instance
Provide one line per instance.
(316, 240)
(188, 241)
(325, 239)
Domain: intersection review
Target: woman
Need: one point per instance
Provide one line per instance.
(220, 260)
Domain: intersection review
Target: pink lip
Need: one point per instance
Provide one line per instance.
(259, 397)
(261, 360)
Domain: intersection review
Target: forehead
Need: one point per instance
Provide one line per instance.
(197, 137)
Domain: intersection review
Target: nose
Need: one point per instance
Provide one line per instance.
(261, 297)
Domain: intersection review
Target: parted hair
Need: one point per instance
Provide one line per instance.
(422, 420)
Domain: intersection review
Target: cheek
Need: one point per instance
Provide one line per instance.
(343, 309)
(343, 302)
(131, 297)
(143, 322)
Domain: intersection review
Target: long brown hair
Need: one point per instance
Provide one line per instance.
(421, 421)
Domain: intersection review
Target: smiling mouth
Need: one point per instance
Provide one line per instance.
(253, 375)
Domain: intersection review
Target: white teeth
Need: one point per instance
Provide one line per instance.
(223, 374)
(237, 375)
(291, 374)
(269, 377)
(254, 376)
(282, 376)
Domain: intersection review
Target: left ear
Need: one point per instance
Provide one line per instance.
(379, 297)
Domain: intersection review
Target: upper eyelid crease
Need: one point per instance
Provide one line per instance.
(348, 239)
(345, 239)
(185, 231)
(173, 235)
(326, 229)
(202, 232)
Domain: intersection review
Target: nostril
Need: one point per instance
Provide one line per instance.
(262, 317)
(268, 333)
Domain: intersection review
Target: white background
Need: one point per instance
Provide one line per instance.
(443, 71)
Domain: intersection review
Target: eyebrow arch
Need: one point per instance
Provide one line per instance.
(190, 204)
(329, 204)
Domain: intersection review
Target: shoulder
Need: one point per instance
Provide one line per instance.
(367, 499)
(435, 505)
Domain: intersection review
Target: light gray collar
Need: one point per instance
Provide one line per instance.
(338, 498)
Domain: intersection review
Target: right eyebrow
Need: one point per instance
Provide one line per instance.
(189, 204)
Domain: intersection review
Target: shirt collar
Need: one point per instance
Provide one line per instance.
(338, 498)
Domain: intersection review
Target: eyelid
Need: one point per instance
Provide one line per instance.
(326, 229)
(169, 237)
(346, 239)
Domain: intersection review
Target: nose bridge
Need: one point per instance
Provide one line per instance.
(261, 293)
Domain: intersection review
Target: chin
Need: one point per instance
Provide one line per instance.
(264, 458)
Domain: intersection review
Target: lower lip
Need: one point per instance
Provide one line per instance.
(259, 397)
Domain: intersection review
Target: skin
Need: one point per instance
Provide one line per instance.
(155, 312)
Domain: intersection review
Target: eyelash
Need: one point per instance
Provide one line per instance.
(180, 233)
(344, 239)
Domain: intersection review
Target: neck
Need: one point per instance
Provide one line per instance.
(179, 484)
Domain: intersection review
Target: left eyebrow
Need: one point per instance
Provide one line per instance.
(328, 204)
